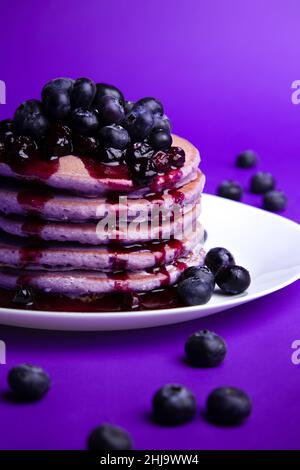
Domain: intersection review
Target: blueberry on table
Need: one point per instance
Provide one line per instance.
(138, 123)
(114, 136)
(247, 159)
(109, 437)
(262, 182)
(195, 291)
(201, 272)
(84, 121)
(217, 257)
(205, 349)
(152, 104)
(102, 89)
(160, 140)
(30, 119)
(274, 201)
(28, 382)
(230, 189)
(83, 93)
(233, 279)
(228, 406)
(174, 404)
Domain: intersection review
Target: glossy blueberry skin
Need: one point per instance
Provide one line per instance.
(111, 110)
(28, 382)
(262, 182)
(29, 119)
(161, 123)
(152, 104)
(58, 142)
(109, 437)
(160, 140)
(205, 349)
(201, 272)
(57, 104)
(128, 106)
(83, 93)
(228, 406)
(247, 159)
(85, 145)
(24, 297)
(176, 157)
(217, 257)
(230, 189)
(57, 84)
(23, 149)
(138, 123)
(114, 136)
(84, 121)
(275, 201)
(195, 291)
(173, 404)
(102, 89)
(233, 279)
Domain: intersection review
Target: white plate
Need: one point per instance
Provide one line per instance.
(264, 243)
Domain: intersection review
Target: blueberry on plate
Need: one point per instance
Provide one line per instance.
(84, 121)
(201, 272)
(114, 136)
(262, 182)
(152, 104)
(217, 257)
(228, 406)
(205, 349)
(173, 404)
(161, 123)
(139, 123)
(233, 279)
(230, 190)
(83, 93)
(247, 159)
(195, 290)
(109, 437)
(85, 144)
(58, 142)
(102, 89)
(24, 297)
(57, 84)
(160, 140)
(29, 119)
(274, 201)
(28, 382)
(57, 104)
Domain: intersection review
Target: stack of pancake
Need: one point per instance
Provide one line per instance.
(78, 228)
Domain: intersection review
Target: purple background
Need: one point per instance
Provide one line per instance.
(224, 72)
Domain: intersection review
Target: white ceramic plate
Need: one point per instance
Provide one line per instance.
(266, 244)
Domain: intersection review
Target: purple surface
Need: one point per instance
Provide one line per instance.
(224, 71)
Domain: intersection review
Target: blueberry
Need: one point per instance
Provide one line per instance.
(110, 110)
(102, 89)
(230, 190)
(217, 257)
(160, 140)
(28, 382)
(233, 279)
(84, 121)
(114, 136)
(193, 291)
(6, 125)
(57, 84)
(275, 201)
(57, 104)
(128, 106)
(205, 349)
(112, 155)
(161, 123)
(139, 123)
(173, 404)
(152, 104)
(201, 272)
(141, 164)
(85, 145)
(176, 157)
(58, 142)
(83, 93)
(109, 437)
(247, 159)
(24, 297)
(23, 149)
(29, 119)
(228, 406)
(161, 162)
(262, 182)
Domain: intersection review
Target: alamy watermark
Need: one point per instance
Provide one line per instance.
(295, 357)
(2, 92)
(2, 352)
(295, 96)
